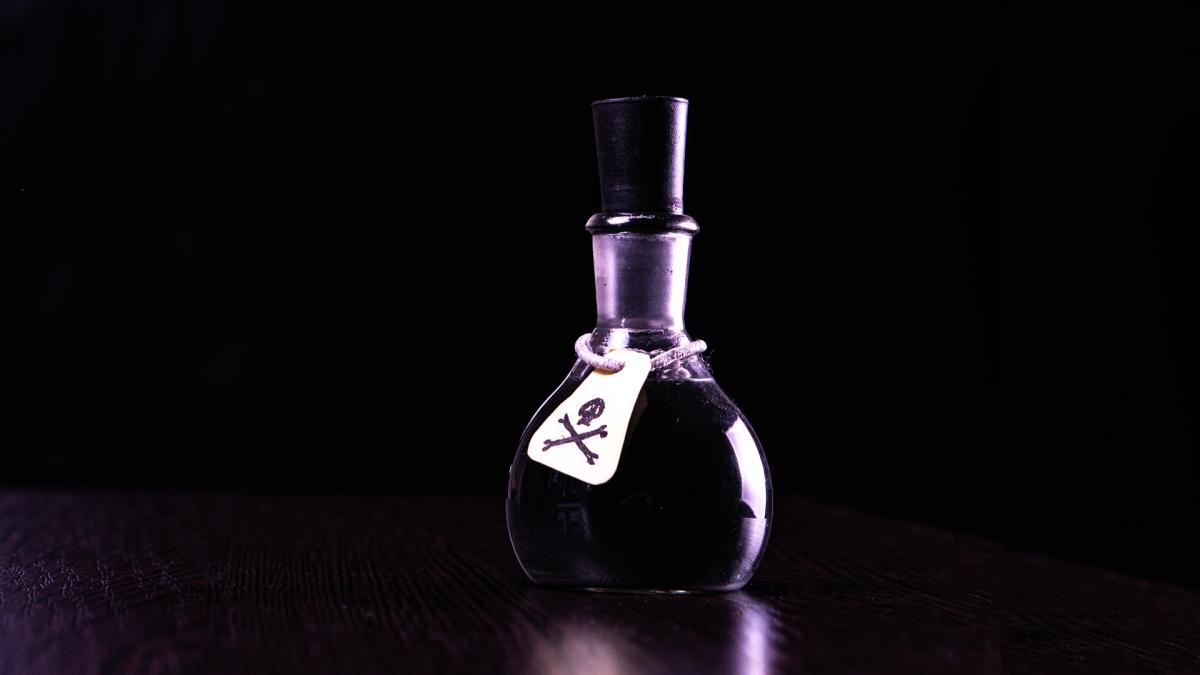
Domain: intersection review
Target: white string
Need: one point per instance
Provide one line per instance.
(583, 349)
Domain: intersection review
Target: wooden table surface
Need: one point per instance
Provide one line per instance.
(159, 583)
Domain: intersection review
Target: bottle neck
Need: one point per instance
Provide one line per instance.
(641, 280)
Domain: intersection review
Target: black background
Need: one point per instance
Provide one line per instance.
(341, 246)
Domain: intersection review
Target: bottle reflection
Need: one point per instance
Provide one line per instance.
(753, 655)
(602, 636)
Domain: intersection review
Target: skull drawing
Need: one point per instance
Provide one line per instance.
(590, 411)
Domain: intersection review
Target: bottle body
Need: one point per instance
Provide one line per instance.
(688, 508)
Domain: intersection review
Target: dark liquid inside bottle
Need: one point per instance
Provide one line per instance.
(687, 509)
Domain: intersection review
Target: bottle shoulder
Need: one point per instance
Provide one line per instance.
(680, 409)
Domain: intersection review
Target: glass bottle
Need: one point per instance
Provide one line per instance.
(689, 507)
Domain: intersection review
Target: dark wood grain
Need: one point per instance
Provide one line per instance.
(144, 583)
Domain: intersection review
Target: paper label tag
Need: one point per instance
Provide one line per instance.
(584, 435)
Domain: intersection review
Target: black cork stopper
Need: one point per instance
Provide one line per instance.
(640, 145)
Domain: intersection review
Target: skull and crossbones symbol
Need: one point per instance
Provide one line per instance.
(588, 412)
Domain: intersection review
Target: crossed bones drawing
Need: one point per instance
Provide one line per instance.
(587, 412)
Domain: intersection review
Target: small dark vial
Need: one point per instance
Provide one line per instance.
(689, 505)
